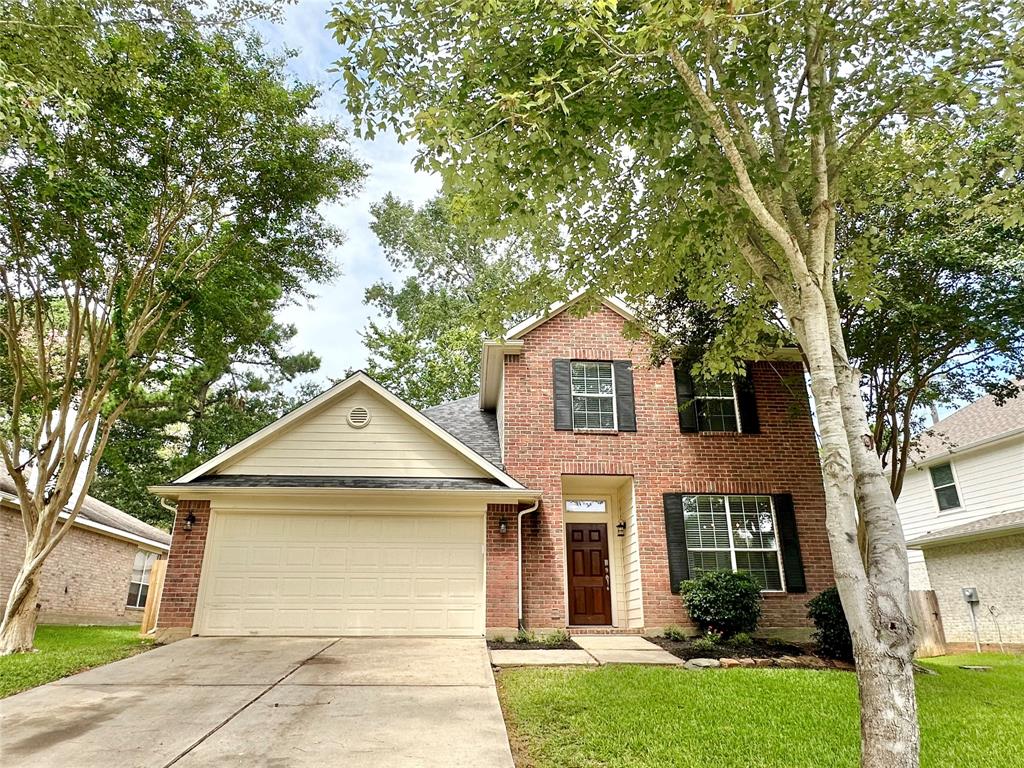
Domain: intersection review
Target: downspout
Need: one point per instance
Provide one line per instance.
(519, 570)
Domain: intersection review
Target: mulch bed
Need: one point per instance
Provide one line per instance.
(761, 648)
(512, 645)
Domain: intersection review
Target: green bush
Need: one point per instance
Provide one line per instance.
(525, 636)
(723, 601)
(831, 632)
(741, 639)
(674, 632)
(707, 642)
(498, 639)
(556, 637)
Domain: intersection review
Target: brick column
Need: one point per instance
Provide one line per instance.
(502, 592)
(184, 565)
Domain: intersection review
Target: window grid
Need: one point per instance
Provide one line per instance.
(593, 396)
(944, 483)
(719, 551)
(717, 408)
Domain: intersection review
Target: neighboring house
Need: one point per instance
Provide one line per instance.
(357, 514)
(962, 508)
(97, 574)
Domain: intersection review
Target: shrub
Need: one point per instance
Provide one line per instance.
(831, 632)
(525, 636)
(723, 601)
(556, 637)
(741, 639)
(498, 639)
(707, 642)
(674, 632)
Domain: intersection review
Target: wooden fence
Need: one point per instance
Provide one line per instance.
(924, 607)
(156, 588)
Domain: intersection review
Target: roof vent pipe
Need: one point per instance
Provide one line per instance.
(519, 570)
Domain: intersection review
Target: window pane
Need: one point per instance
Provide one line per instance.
(942, 475)
(133, 594)
(720, 386)
(702, 562)
(763, 566)
(143, 593)
(593, 413)
(584, 505)
(948, 497)
(752, 523)
(139, 567)
(716, 416)
(705, 522)
(591, 378)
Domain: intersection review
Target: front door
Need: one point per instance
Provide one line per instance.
(590, 595)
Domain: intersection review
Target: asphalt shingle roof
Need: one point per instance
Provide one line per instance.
(1007, 522)
(100, 512)
(981, 420)
(464, 419)
(345, 481)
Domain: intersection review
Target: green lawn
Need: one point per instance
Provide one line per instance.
(760, 718)
(64, 650)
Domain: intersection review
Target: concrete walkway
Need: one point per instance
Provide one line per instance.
(596, 649)
(271, 702)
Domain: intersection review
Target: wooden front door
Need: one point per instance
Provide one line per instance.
(590, 594)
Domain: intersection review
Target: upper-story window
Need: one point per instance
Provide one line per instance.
(593, 395)
(944, 484)
(716, 404)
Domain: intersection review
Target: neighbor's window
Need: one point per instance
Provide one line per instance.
(139, 588)
(585, 505)
(733, 533)
(593, 396)
(945, 486)
(716, 405)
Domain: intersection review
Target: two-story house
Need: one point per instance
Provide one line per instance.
(578, 489)
(962, 509)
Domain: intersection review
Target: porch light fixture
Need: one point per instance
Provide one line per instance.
(620, 528)
(503, 526)
(190, 521)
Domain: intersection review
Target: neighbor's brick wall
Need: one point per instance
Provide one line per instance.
(781, 459)
(996, 568)
(84, 580)
(181, 583)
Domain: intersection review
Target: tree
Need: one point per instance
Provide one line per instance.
(457, 289)
(172, 165)
(707, 142)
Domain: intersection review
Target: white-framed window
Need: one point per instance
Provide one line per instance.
(717, 410)
(734, 533)
(138, 590)
(593, 395)
(586, 505)
(944, 483)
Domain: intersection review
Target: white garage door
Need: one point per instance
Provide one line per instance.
(280, 574)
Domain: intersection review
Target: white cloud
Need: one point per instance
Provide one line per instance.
(330, 324)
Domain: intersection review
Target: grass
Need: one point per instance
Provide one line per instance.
(65, 650)
(752, 718)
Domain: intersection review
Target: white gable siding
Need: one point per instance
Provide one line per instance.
(323, 443)
(990, 480)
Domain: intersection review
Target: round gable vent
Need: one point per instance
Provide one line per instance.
(358, 417)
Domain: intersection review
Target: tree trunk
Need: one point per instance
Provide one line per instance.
(18, 630)
(888, 709)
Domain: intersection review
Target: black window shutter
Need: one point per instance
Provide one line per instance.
(792, 562)
(563, 395)
(747, 402)
(675, 533)
(625, 403)
(685, 403)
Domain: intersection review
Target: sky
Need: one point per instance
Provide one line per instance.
(329, 325)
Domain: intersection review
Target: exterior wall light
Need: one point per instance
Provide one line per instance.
(620, 528)
(503, 526)
(189, 521)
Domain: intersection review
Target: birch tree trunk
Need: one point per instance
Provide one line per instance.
(21, 613)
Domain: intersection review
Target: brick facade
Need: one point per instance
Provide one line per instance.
(993, 566)
(783, 458)
(502, 567)
(84, 580)
(184, 565)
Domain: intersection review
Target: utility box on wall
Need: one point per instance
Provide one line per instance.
(970, 594)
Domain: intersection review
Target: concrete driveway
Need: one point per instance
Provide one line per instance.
(280, 702)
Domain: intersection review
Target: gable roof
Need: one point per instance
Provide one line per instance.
(986, 527)
(973, 425)
(464, 419)
(360, 378)
(613, 303)
(99, 516)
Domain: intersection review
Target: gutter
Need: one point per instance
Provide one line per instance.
(519, 569)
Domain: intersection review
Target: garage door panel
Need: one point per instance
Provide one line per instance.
(343, 574)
